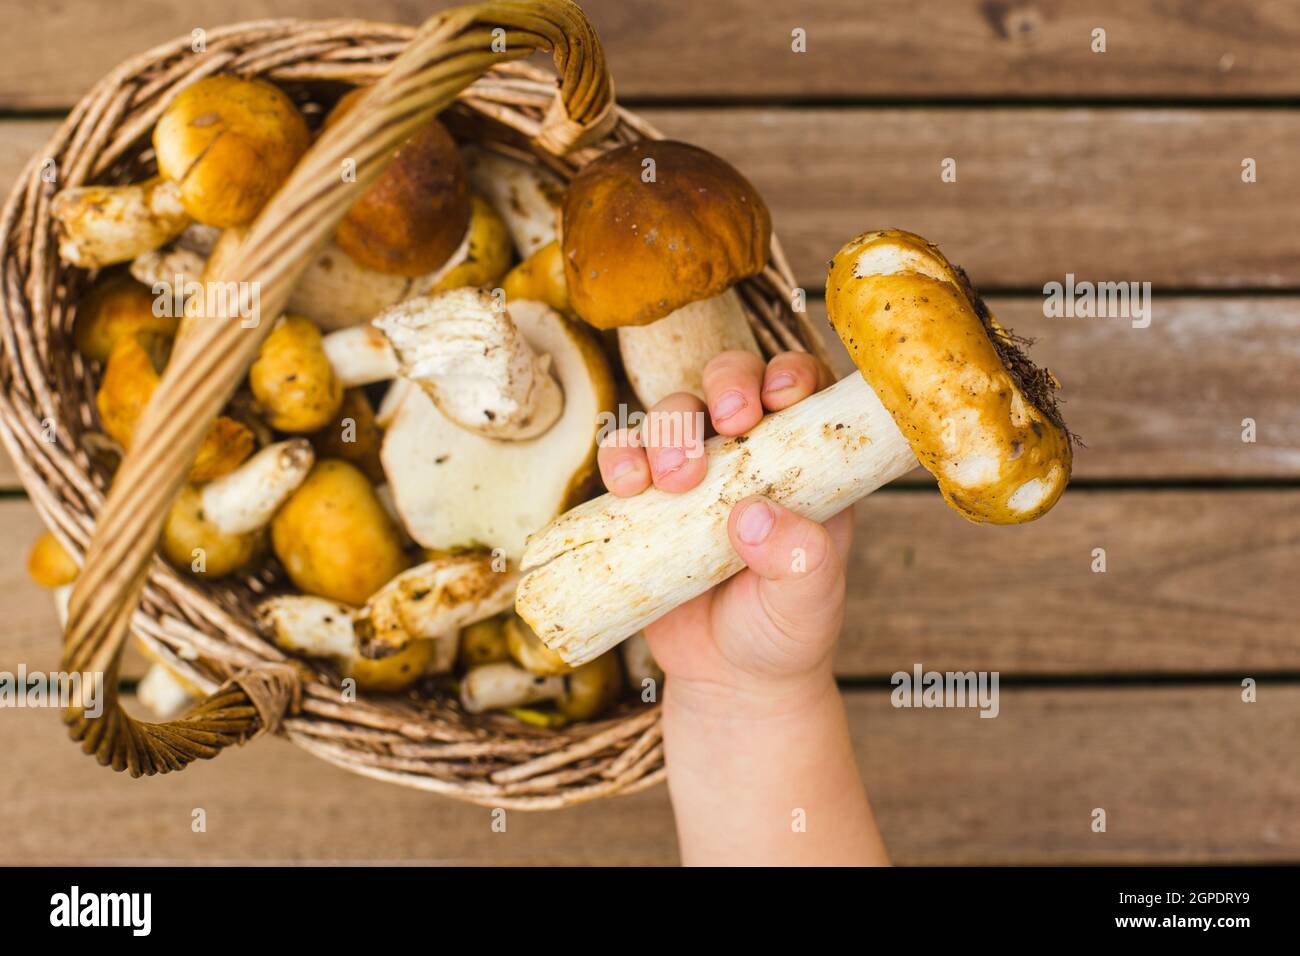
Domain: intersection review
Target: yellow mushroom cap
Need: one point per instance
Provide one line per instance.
(412, 218)
(977, 413)
(229, 143)
(637, 250)
(115, 307)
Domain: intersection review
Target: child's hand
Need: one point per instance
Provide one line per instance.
(760, 643)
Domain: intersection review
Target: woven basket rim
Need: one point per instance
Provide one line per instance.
(202, 630)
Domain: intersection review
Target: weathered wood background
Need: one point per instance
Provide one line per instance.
(1120, 690)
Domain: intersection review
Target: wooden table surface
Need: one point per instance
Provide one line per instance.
(1121, 690)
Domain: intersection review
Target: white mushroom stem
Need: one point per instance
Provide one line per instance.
(360, 355)
(181, 262)
(433, 600)
(609, 567)
(462, 348)
(669, 355)
(527, 196)
(163, 694)
(62, 595)
(102, 225)
(499, 686)
(248, 497)
(312, 626)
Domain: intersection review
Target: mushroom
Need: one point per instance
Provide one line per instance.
(353, 436)
(530, 653)
(657, 260)
(293, 380)
(163, 694)
(940, 380)
(224, 145)
(484, 642)
(527, 196)
(415, 214)
(433, 600)
(582, 694)
(479, 370)
(131, 376)
(223, 521)
(248, 497)
(459, 489)
(333, 536)
(49, 564)
(360, 355)
(317, 627)
(115, 307)
(540, 278)
(337, 292)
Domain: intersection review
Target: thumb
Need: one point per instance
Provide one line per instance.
(799, 564)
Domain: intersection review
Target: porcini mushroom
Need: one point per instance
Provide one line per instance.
(49, 564)
(333, 536)
(433, 600)
(216, 529)
(317, 627)
(527, 195)
(293, 380)
(657, 258)
(456, 488)
(529, 652)
(360, 355)
(115, 307)
(582, 694)
(941, 381)
(131, 376)
(484, 642)
(223, 145)
(410, 219)
(465, 352)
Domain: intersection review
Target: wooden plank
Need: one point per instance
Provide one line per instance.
(1145, 195)
(1185, 775)
(1195, 582)
(1140, 195)
(889, 48)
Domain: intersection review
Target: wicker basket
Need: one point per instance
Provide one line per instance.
(205, 631)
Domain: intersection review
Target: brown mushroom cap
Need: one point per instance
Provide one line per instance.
(229, 143)
(412, 218)
(636, 251)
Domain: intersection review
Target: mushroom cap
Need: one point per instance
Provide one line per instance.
(977, 413)
(116, 306)
(635, 251)
(530, 653)
(49, 564)
(591, 688)
(229, 142)
(414, 215)
(502, 490)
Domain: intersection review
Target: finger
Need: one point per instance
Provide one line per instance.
(791, 377)
(731, 389)
(800, 569)
(673, 435)
(623, 465)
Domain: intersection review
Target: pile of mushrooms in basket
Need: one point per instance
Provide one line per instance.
(401, 458)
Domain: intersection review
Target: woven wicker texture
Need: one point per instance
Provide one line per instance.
(205, 631)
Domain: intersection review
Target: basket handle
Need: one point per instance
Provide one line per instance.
(445, 56)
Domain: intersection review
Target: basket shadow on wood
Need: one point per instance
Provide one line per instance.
(206, 631)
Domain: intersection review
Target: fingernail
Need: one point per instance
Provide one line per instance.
(669, 460)
(622, 467)
(779, 381)
(728, 404)
(755, 523)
